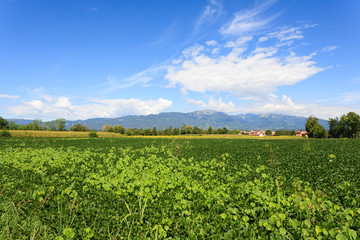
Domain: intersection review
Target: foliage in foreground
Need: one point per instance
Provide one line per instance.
(71, 193)
(5, 133)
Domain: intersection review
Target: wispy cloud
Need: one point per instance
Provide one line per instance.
(344, 98)
(9, 96)
(249, 21)
(329, 48)
(286, 34)
(139, 79)
(210, 14)
(61, 107)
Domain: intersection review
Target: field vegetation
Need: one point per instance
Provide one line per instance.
(176, 188)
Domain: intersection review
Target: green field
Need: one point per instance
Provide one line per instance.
(167, 188)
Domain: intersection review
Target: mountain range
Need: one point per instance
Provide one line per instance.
(202, 119)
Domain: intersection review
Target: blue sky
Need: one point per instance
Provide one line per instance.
(87, 59)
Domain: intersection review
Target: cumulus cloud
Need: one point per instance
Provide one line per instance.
(248, 21)
(215, 104)
(9, 96)
(255, 74)
(61, 107)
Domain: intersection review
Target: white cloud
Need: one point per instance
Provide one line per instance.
(142, 78)
(257, 74)
(215, 104)
(286, 35)
(9, 96)
(61, 107)
(344, 98)
(329, 48)
(210, 14)
(248, 21)
(211, 43)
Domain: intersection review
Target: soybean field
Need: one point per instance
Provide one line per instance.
(168, 188)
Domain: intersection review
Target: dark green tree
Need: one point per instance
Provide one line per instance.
(154, 131)
(268, 132)
(351, 123)
(196, 130)
(4, 124)
(147, 132)
(336, 128)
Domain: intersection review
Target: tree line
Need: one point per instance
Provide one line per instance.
(185, 129)
(56, 125)
(348, 126)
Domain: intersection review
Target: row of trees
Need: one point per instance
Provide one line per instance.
(185, 129)
(348, 126)
(57, 125)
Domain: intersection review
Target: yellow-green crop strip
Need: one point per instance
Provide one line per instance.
(140, 188)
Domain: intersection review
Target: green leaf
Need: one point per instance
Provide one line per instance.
(282, 231)
(245, 218)
(341, 237)
(352, 234)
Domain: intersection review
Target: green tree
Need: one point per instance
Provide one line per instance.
(310, 123)
(196, 130)
(34, 125)
(79, 128)
(154, 131)
(13, 125)
(319, 131)
(351, 123)
(268, 132)
(60, 124)
(106, 128)
(49, 126)
(147, 132)
(129, 132)
(118, 129)
(210, 130)
(336, 128)
(4, 124)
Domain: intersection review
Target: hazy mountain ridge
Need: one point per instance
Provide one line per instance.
(202, 119)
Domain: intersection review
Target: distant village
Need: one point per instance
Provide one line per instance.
(263, 133)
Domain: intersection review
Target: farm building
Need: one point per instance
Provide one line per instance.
(302, 134)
